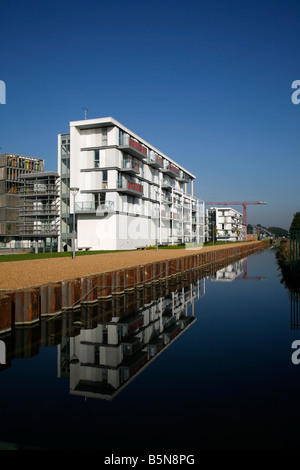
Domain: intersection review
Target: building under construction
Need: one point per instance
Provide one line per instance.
(18, 226)
(39, 209)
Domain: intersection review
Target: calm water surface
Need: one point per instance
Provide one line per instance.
(206, 367)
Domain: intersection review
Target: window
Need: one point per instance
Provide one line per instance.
(99, 200)
(104, 136)
(96, 158)
(104, 179)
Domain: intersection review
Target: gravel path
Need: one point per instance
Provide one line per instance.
(20, 274)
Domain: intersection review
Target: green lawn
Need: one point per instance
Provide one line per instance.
(68, 254)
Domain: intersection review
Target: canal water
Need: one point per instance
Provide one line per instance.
(205, 364)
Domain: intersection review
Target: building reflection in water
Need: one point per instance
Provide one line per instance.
(233, 272)
(101, 361)
(229, 273)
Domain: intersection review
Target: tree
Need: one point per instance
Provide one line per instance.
(278, 231)
(295, 225)
(215, 232)
(250, 229)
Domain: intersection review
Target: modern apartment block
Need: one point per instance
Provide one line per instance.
(129, 194)
(224, 223)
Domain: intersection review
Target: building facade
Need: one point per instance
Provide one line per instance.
(224, 224)
(29, 204)
(129, 195)
(39, 210)
(12, 168)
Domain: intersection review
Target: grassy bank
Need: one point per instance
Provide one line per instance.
(68, 254)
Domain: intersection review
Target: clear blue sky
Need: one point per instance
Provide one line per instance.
(206, 82)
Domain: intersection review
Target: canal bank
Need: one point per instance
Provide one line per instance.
(98, 277)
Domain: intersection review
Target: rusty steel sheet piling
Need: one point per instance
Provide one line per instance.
(27, 306)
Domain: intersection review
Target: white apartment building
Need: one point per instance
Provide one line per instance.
(224, 223)
(129, 194)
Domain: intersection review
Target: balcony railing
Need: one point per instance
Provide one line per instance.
(38, 211)
(167, 182)
(91, 206)
(105, 207)
(131, 166)
(42, 230)
(166, 199)
(173, 169)
(133, 147)
(183, 177)
(130, 187)
(175, 216)
(165, 214)
(155, 160)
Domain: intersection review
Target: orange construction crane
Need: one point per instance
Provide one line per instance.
(243, 203)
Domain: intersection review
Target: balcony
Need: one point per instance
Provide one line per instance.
(91, 207)
(105, 208)
(40, 211)
(130, 187)
(155, 214)
(41, 230)
(165, 214)
(168, 183)
(166, 199)
(171, 170)
(155, 160)
(130, 166)
(183, 177)
(133, 148)
(175, 216)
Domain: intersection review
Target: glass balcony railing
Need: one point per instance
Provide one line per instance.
(168, 182)
(172, 170)
(155, 160)
(91, 206)
(108, 206)
(132, 146)
(183, 177)
(131, 187)
(131, 166)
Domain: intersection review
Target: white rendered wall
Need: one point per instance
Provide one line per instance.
(97, 233)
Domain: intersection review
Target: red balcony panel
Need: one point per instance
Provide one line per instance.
(141, 148)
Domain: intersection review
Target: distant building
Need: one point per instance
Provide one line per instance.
(130, 194)
(224, 224)
(27, 203)
(39, 209)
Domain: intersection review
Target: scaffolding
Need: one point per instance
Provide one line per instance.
(39, 207)
(12, 168)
